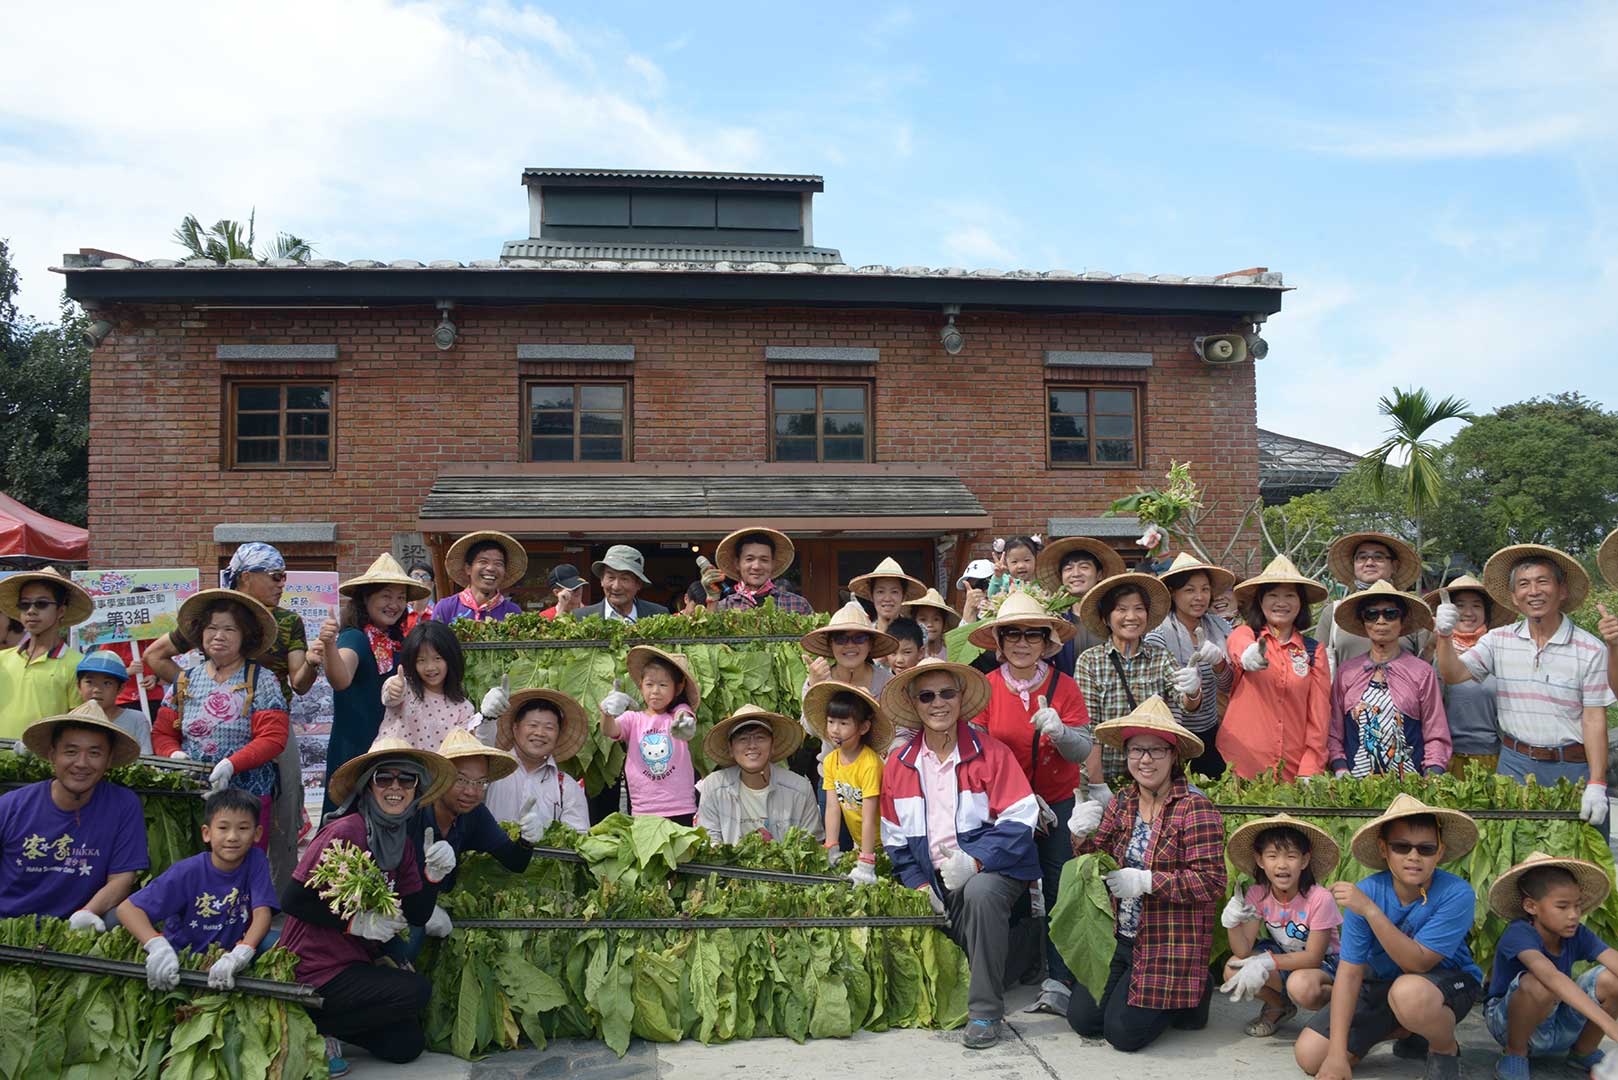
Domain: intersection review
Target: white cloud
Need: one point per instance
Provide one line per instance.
(650, 73)
(1491, 140)
(976, 234)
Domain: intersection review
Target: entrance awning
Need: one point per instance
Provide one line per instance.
(701, 500)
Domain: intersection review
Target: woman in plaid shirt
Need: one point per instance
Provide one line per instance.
(1169, 843)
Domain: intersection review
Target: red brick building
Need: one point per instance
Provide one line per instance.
(666, 357)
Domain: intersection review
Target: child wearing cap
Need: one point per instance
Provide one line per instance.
(1405, 972)
(102, 676)
(1535, 1006)
(1284, 928)
(222, 896)
(661, 777)
(851, 724)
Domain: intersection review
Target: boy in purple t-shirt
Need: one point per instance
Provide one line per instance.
(221, 897)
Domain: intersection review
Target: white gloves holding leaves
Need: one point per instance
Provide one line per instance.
(1253, 658)
(1593, 804)
(374, 926)
(222, 975)
(162, 966)
(864, 873)
(1252, 972)
(440, 857)
(86, 920)
(438, 924)
(957, 870)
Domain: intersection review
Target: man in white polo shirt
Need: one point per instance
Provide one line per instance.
(1552, 676)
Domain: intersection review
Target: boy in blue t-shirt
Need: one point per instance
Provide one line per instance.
(222, 897)
(1535, 1006)
(1405, 972)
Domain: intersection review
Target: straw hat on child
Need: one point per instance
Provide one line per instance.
(641, 655)
(1457, 832)
(1158, 602)
(1347, 613)
(1280, 571)
(1340, 557)
(190, 619)
(460, 744)
(37, 736)
(932, 599)
(1022, 609)
(1324, 854)
(1151, 716)
(79, 605)
(819, 697)
(571, 733)
(788, 735)
(724, 556)
(848, 619)
(440, 773)
(972, 683)
(385, 571)
(1497, 574)
(888, 568)
(1506, 896)
(1499, 614)
(1048, 563)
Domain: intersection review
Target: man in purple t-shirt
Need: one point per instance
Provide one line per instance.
(484, 564)
(70, 847)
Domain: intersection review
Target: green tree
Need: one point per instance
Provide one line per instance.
(44, 405)
(1419, 483)
(227, 239)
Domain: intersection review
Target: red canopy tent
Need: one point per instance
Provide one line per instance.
(26, 533)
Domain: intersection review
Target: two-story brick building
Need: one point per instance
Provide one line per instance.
(666, 356)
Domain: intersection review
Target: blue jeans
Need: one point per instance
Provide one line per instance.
(1557, 1033)
(1519, 766)
(1055, 851)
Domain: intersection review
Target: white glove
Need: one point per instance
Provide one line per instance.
(222, 975)
(1238, 911)
(1188, 680)
(1444, 619)
(219, 779)
(1129, 883)
(1253, 658)
(1606, 1068)
(440, 857)
(617, 703)
(1593, 805)
(1101, 795)
(374, 926)
(179, 755)
(393, 690)
(1210, 653)
(1252, 972)
(833, 853)
(1046, 720)
(957, 870)
(529, 824)
(684, 725)
(936, 900)
(495, 703)
(864, 873)
(162, 966)
(86, 920)
(1086, 817)
(438, 924)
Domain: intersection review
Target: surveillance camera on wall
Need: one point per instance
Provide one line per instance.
(95, 333)
(950, 336)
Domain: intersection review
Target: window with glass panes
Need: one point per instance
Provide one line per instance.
(281, 425)
(820, 422)
(1094, 425)
(577, 421)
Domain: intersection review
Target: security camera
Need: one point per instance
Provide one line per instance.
(445, 334)
(95, 333)
(1256, 346)
(950, 336)
(1221, 348)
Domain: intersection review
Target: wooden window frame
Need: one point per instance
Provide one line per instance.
(281, 464)
(525, 430)
(1090, 388)
(820, 386)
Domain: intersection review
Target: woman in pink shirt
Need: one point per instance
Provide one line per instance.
(1280, 700)
(1387, 712)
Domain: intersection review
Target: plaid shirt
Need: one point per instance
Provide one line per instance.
(785, 600)
(1174, 940)
(1150, 671)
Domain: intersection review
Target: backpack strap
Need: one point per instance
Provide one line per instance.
(182, 689)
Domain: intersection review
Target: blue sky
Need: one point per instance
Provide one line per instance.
(1435, 180)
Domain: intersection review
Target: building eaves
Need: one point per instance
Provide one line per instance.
(632, 177)
(561, 249)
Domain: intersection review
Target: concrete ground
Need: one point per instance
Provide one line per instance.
(1038, 1047)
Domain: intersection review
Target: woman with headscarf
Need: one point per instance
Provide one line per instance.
(378, 1007)
(1195, 636)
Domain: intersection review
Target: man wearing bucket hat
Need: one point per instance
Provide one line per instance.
(958, 821)
(37, 676)
(622, 573)
(542, 728)
(1471, 706)
(748, 791)
(888, 588)
(1073, 565)
(1360, 560)
(1405, 971)
(1535, 1006)
(70, 847)
(485, 564)
(754, 558)
(1552, 674)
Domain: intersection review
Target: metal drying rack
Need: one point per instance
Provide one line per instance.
(298, 993)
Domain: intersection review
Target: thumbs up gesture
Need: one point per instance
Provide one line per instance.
(1046, 720)
(1445, 616)
(529, 823)
(1608, 627)
(440, 857)
(393, 690)
(819, 670)
(616, 703)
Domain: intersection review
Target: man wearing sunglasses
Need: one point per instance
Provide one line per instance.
(39, 676)
(1406, 973)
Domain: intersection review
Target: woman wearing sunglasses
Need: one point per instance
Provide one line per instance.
(377, 793)
(1387, 709)
(843, 651)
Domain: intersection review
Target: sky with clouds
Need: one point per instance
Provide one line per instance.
(1436, 181)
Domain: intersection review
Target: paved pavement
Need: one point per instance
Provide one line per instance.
(1038, 1048)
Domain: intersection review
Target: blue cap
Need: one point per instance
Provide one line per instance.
(104, 662)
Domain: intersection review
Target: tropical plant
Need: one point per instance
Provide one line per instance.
(1419, 483)
(225, 240)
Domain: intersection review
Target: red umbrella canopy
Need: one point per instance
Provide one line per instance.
(27, 532)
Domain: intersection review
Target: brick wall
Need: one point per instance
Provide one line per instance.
(403, 409)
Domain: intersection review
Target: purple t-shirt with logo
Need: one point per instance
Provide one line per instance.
(198, 906)
(450, 608)
(53, 861)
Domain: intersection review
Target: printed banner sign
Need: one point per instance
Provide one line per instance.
(143, 616)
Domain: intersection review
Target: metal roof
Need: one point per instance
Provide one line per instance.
(561, 249)
(803, 180)
(1289, 466)
(1117, 527)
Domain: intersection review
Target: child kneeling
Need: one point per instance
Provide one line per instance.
(1535, 1006)
(1291, 966)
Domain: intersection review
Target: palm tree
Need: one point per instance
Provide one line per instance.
(1414, 413)
(225, 241)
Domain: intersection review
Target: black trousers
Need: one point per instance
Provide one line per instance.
(1126, 1027)
(378, 1008)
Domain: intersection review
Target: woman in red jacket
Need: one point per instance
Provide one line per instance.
(1039, 714)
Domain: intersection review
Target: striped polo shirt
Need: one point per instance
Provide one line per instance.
(1543, 692)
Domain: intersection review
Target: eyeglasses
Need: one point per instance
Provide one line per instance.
(927, 697)
(277, 576)
(395, 779)
(471, 783)
(851, 639)
(1039, 635)
(1426, 849)
(36, 605)
(1381, 614)
(1147, 753)
(1371, 556)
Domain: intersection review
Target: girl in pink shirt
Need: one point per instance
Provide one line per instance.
(662, 780)
(424, 699)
